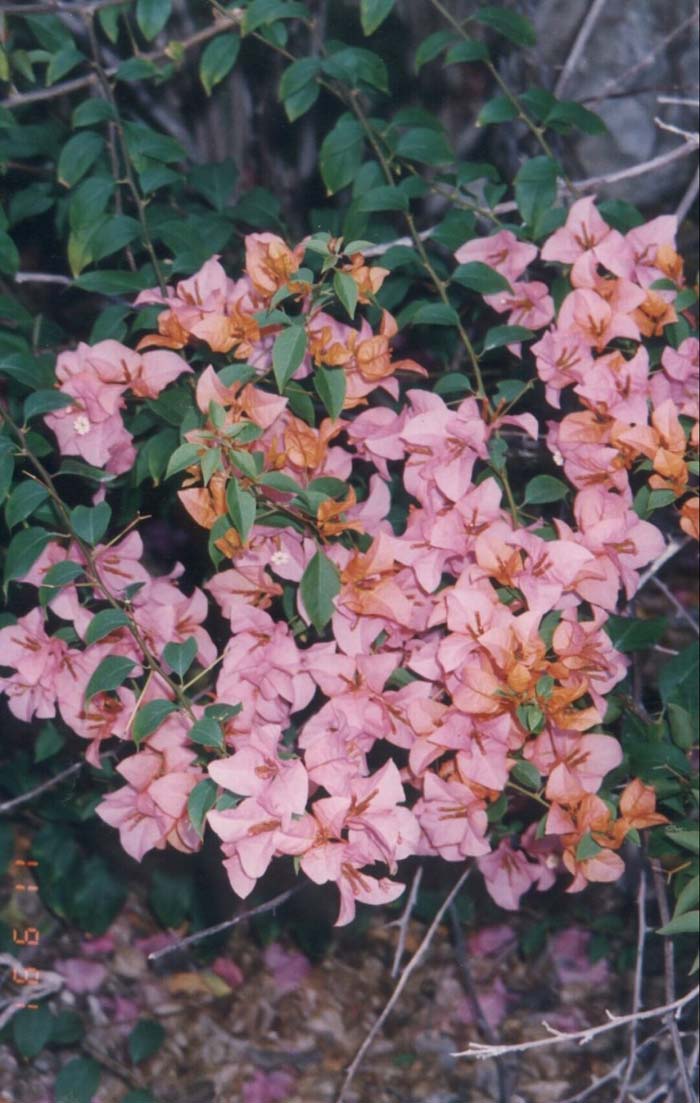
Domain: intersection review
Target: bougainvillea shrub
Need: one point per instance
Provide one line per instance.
(423, 653)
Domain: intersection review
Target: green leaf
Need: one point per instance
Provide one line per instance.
(201, 799)
(499, 336)
(241, 507)
(435, 314)
(689, 840)
(320, 583)
(104, 623)
(569, 114)
(77, 1081)
(385, 197)
(9, 257)
(431, 46)
(678, 680)
(516, 28)
(526, 774)
(279, 481)
(688, 923)
(373, 13)
(115, 233)
(587, 848)
(49, 742)
(92, 111)
(684, 730)
(208, 733)
(150, 717)
(24, 499)
(341, 154)
(24, 550)
(90, 522)
(135, 69)
(633, 633)
(61, 574)
(7, 466)
(152, 15)
(468, 50)
(215, 181)
(145, 1039)
(109, 675)
(62, 63)
(113, 282)
(260, 13)
(78, 155)
(330, 386)
(355, 66)
(299, 88)
(142, 141)
(31, 1030)
(422, 143)
(453, 383)
(536, 188)
(185, 455)
(67, 1028)
(497, 110)
(218, 59)
(688, 897)
(346, 290)
(545, 488)
(44, 401)
(287, 354)
(480, 277)
(180, 656)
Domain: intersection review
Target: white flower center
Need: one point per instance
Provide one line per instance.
(81, 425)
(278, 558)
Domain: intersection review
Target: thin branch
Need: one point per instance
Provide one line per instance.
(481, 1052)
(672, 548)
(483, 1024)
(25, 798)
(638, 984)
(670, 980)
(689, 197)
(403, 922)
(689, 135)
(401, 984)
(42, 277)
(49, 6)
(679, 101)
(648, 59)
(268, 906)
(579, 45)
(670, 596)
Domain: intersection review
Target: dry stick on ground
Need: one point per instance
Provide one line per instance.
(579, 45)
(401, 984)
(638, 984)
(403, 922)
(485, 1028)
(269, 905)
(556, 1037)
(670, 980)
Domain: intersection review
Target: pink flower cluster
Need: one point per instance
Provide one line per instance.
(465, 652)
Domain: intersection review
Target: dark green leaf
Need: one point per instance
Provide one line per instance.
(467, 50)
(92, 111)
(431, 46)
(61, 574)
(185, 455)
(25, 548)
(77, 1081)
(435, 314)
(424, 144)
(201, 799)
(299, 87)
(688, 923)
(215, 181)
(180, 656)
(287, 354)
(346, 290)
(24, 499)
(9, 257)
(260, 13)
(499, 336)
(241, 507)
(688, 897)
(90, 522)
(634, 634)
(43, 401)
(508, 23)
(544, 488)
(218, 59)
(152, 15)
(373, 13)
(67, 1028)
(574, 114)
(383, 198)
(526, 774)
(113, 282)
(104, 623)
(497, 110)
(145, 1039)
(688, 839)
(355, 66)
(330, 385)
(678, 680)
(78, 154)
(49, 742)
(320, 583)
(31, 1030)
(587, 848)
(341, 154)
(149, 718)
(109, 675)
(536, 188)
(207, 732)
(62, 63)
(480, 277)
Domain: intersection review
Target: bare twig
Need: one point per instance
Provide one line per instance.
(42, 277)
(689, 197)
(268, 906)
(671, 597)
(481, 1052)
(401, 984)
(689, 135)
(483, 1024)
(672, 548)
(45, 983)
(670, 981)
(403, 922)
(59, 6)
(659, 47)
(579, 45)
(32, 794)
(638, 984)
(679, 101)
